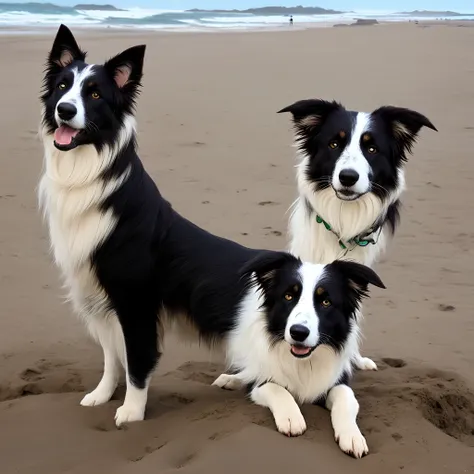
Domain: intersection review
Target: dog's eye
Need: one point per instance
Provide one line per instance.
(95, 95)
(288, 296)
(333, 145)
(62, 86)
(372, 150)
(326, 303)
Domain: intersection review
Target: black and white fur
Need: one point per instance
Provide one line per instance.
(350, 172)
(295, 338)
(132, 265)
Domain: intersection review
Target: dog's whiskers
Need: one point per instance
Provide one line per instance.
(92, 126)
(326, 338)
(379, 186)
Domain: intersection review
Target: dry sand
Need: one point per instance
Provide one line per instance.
(211, 138)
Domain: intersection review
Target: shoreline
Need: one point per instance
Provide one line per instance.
(28, 30)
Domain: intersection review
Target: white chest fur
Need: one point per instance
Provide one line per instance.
(311, 241)
(71, 193)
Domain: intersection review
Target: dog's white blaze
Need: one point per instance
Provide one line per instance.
(304, 312)
(306, 379)
(71, 193)
(353, 158)
(74, 96)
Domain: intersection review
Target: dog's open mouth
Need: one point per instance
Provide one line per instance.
(301, 351)
(65, 137)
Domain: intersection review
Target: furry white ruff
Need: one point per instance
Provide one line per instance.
(312, 242)
(71, 192)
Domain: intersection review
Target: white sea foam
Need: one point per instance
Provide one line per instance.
(33, 16)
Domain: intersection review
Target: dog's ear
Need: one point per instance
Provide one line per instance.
(310, 113)
(358, 276)
(404, 124)
(263, 269)
(127, 69)
(65, 49)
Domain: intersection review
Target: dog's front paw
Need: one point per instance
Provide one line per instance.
(290, 422)
(96, 397)
(364, 363)
(128, 413)
(228, 382)
(352, 442)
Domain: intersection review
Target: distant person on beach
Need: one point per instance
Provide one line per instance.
(291, 20)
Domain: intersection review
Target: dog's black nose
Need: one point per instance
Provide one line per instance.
(348, 177)
(66, 111)
(299, 332)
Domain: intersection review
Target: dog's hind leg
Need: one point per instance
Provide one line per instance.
(363, 363)
(106, 329)
(359, 362)
(344, 408)
(140, 333)
(229, 382)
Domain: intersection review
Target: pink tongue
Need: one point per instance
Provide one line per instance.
(64, 135)
(298, 350)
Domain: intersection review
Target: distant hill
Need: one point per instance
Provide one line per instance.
(92, 6)
(298, 10)
(32, 6)
(429, 13)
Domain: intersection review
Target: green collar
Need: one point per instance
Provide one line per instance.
(361, 240)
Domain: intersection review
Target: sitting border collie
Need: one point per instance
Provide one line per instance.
(133, 265)
(350, 179)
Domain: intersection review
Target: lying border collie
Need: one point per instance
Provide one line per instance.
(133, 265)
(350, 179)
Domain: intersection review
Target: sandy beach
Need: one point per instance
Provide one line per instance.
(210, 136)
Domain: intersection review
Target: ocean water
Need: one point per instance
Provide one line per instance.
(38, 15)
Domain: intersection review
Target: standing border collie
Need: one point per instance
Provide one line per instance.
(350, 179)
(133, 265)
